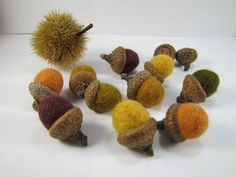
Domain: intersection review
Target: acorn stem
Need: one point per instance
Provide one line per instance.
(85, 30)
(125, 76)
(186, 67)
(35, 105)
(180, 99)
(83, 139)
(105, 57)
(161, 125)
(81, 92)
(148, 150)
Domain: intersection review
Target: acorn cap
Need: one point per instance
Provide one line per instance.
(135, 83)
(140, 138)
(149, 67)
(166, 49)
(171, 123)
(67, 127)
(91, 93)
(192, 91)
(79, 83)
(117, 59)
(186, 56)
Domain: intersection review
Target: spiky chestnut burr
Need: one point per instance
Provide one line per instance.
(144, 88)
(60, 39)
(197, 87)
(122, 60)
(47, 82)
(166, 49)
(186, 56)
(62, 119)
(184, 121)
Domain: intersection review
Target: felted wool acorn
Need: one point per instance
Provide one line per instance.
(166, 49)
(122, 60)
(101, 97)
(47, 82)
(186, 56)
(161, 65)
(199, 86)
(62, 119)
(184, 121)
(135, 127)
(145, 88)
(81, 76)
(60, 39)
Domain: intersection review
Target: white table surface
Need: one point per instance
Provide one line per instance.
(27, 150)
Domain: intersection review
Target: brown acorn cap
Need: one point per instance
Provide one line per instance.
(67, 127)
(79, 83)
(171, 124)
(192, 91)
(91, 93)
(186, 56)
(166, 49)
(117, 59)
(149, 67)
(135, 83)
(140, 138)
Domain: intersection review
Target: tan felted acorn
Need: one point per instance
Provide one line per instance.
(184, 121)
(198, 86)
(62, 119)
(186, 56)
(145, 88)
(122, 60)
(135, 128)
(166, 49)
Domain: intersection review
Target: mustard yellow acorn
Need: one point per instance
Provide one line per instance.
(166, 49)
(60, 39)
(122, 60)
(81, 76)
(162, 64)
(145, 88)
(184, 121)
(135, 128)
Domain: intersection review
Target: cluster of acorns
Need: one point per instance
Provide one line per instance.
(136, 129)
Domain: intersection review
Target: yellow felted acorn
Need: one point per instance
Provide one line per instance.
(145, 88)
(134, 126)
(198, 86)
(60, 39)
(184, 121)
(161, 64)
(81, 76)
(166, 49)
(47, 82)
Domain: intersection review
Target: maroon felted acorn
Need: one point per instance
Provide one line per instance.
(122, 60)
(62, 119)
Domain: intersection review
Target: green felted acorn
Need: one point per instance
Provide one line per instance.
(208, 79)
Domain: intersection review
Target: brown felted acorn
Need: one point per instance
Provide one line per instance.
(62, 119)
(80, 78)
(136, 129)
(145, 88)
(186, 56)
(184, 121)
(166, 49)
(122, 60)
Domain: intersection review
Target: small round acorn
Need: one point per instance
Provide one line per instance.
(60, 39)
(184, 121)
(160, 66)
(62, 119)
(135, 128)
(145, 88)
(101, 97)
(186, 56)
(47, 82)
(122, 60)
(199, 86)
(166, 49)
(81, 76)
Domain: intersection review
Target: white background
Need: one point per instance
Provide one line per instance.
(27, 150)
(130, 17)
